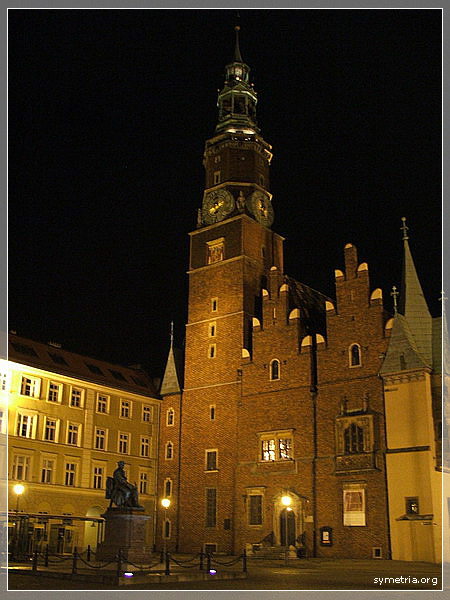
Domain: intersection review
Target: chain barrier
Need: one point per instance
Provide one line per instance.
(226, 564)
(97, 566)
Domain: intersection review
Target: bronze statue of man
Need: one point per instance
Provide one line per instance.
(121, 492)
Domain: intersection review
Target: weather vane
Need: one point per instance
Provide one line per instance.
(394, 295)
(404, 228)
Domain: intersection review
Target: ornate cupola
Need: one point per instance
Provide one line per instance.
(237, 158)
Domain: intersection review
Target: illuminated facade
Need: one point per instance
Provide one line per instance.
(70, 419)
(286, 391)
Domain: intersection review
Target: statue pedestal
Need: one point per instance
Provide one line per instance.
(124, 529)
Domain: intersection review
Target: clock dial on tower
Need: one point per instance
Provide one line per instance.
(260, 206)
(217, 204)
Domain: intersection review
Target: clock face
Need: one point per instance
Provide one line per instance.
(261, 208)
(217, 205)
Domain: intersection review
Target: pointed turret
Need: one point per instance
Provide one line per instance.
(412, 303)
(237, 51)
(172, 380)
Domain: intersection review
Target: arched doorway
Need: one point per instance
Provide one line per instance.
(289, 527)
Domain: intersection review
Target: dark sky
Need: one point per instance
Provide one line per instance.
(108, 114)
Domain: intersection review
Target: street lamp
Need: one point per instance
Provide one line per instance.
(166, 503)
(18, 489)
(286, 501)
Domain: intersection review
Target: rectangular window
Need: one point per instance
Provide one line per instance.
(211, 507)
(143, 482)
(216, 177)
(21, 467)
(167, 488)
(125, 409)
(268, 449)
(98, 478)
(214, 303)
(50, 428)
(145, 447)
(26, 424)
(70, 474)
(412, 505)
(255, 510)
(3, 381)
(100, 439)
(276, 447)
(354, 507)
(147, 414)
(170, 417)
(48, 467)
(2, 422)
(212, 351)
(212, 329)
(73, 434)
(102, 404)
(30, 386)
(212, 412)
(215, 251)
(211, 460)
(54, 392)
(124, 439)
(76, 398)
(169, 450)
(284, 448)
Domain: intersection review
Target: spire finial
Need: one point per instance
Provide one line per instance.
(171, 333)
(237, 52)
(394, 295)
(404, 228)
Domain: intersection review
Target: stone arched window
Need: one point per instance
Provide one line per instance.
(355, 355)
(274, 369)
(353, 439)
(169, 450)
(170, 417)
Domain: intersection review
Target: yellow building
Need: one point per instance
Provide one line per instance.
(70, 420)
(411, 374)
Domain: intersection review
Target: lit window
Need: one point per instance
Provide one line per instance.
(30, 386)
(412, 505)
(48, 467)
(73, 434)
(355, 355)
(76, 398)
(124, 439)
(70, 474)
(147, 414)
(255, 510)
(211, 460)
(145, 447)
(54, 392)
(276, 446)
(98, 477)
(170, 416)
(167, 488)
(274, 369)
(169, 450)
(102, 404)
(21, 467)
(143, 482)
(100, 439)
(125, 409)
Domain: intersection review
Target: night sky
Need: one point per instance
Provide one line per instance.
(109, 111)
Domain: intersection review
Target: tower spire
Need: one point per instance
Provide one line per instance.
(237, 51)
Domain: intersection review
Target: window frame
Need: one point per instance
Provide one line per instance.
(73, 472)
(36, 383)
(104, 438)
(100, 398)
(81, 397)
(354, 518)
(211, 452)
(59, 392)
(57, 421)
(44, 469)
(145, 442)
(121, 441)
(170, 422)
(350, 356)
(210, 518)
(168, 482)
(32, 415)
(147, 410)
(271, 369)
(72, 424)
(249, 509)
(125, 406)
(96, 477)
(276, 437)
(168, 445)
(26, 466)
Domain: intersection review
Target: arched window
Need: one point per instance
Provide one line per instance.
(166, 532)
(274, 369)
(170, 416)
(169, 450)
(167, 488)
(355, 355)
(354, 439)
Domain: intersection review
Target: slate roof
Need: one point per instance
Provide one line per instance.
(172, 381)
(53, 358)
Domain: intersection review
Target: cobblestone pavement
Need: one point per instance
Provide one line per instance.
(308, 574)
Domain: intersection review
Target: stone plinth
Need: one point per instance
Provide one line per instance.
(124, 528)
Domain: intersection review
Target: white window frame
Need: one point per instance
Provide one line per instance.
(145, 444)
(147, 410)
(101, 396)
(126, 406)
(78, 433)
(35, 386)
(212, 329)
(144, 482)
(166, 522)
(57, 429)
(169, 481)
(121, 441)
(25, 466)
(210, 451)
(166, 447)
(59, 392)
(354, 518)
(170, 412)
(44, 468)
(96, 476)
(212, 412)
(69, 461)
(105, 438)
(32, 415)
(76, 389)
(212, 351)
(214, 304)
(276, 436)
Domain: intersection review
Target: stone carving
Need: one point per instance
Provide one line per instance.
(120, 491)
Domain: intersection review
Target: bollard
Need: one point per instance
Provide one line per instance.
(167, 571)
(46, 557)
(119, 562)
(35, 561)
(88, 555)
(201, 560)
(244, 561)
(208, 562)
(74, 561)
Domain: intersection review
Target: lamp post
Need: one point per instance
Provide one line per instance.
(166, 503)
(18, 489)
(286, 501)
